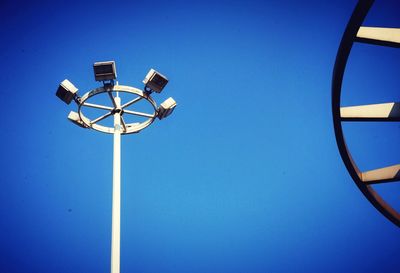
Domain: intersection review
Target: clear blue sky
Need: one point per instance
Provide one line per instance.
(244, 177)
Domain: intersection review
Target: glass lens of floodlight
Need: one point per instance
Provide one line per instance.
(103, 69)
(66, 91)
(157, 79)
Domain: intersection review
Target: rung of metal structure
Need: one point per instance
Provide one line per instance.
(382, 175)
(371, 112)
(379, 36)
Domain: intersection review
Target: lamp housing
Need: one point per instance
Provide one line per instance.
(155, 81)
(104, 71)
(66, 91)
(166, 108)
(74, 118)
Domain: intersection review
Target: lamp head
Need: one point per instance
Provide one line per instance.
(166, 108)
(74, 118)
(155, 81)
(66, 91)
(105, 71)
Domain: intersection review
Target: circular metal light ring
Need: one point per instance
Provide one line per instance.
(346, 44)
(129, 128)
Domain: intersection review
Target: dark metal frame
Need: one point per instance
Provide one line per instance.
(349, 37)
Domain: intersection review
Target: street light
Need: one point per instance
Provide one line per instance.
(106, 73)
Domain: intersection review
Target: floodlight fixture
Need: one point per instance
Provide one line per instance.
(105, 71)
(66, 91)
(155, 81)
(166, 108)
(128, 119)
(74, 118)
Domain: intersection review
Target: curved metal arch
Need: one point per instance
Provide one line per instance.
(127, 128)
(349, 37)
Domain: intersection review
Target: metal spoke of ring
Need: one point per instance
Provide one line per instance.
(371, 112)
(101, 118)
(129, 103)
(92, 105)
(138, 114)
(112, 99)
(123, 123)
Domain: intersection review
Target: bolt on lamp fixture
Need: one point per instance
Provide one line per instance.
(105, 72)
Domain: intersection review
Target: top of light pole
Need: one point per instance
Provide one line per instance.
(106, 73)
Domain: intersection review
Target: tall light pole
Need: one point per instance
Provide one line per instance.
(105, 72)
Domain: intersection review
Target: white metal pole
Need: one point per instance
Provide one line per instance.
(116, 192)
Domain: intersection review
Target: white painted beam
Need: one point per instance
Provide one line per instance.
(371, 112)
(379, 35)
(387, 174)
